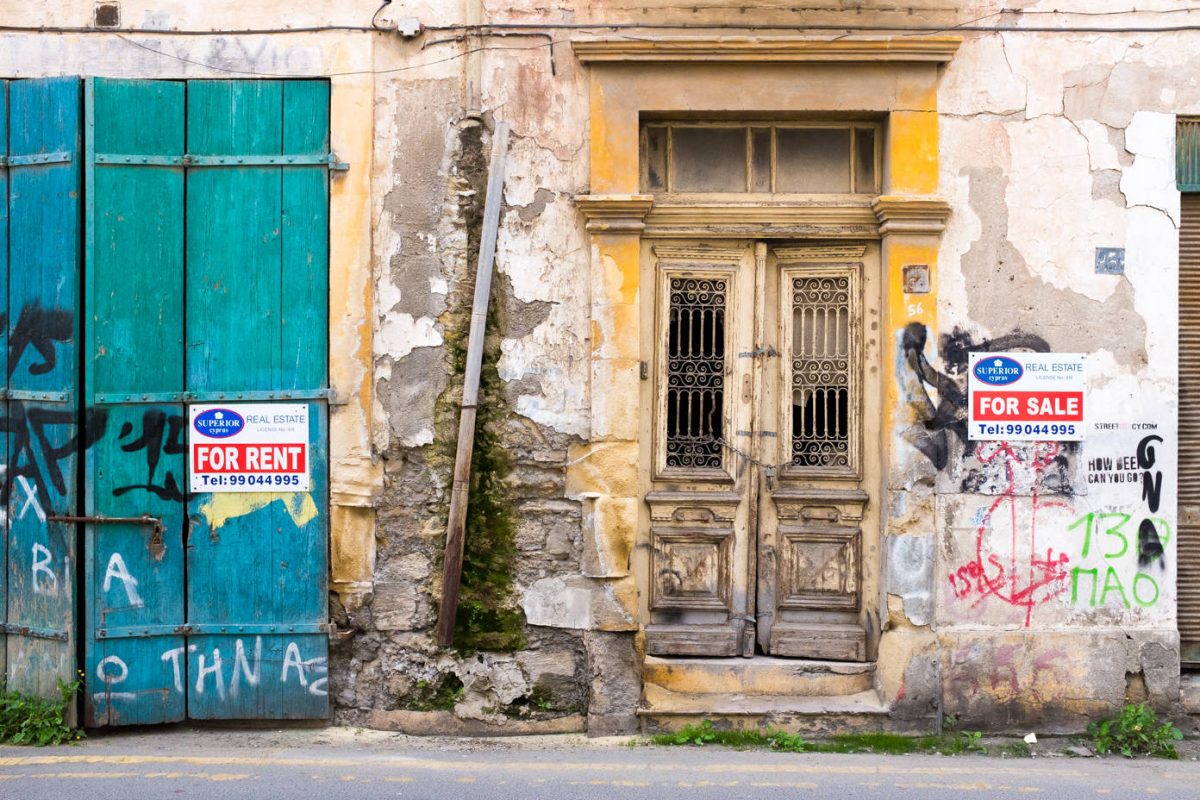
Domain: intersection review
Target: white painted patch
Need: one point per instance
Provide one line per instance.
(438, 285)
(554, 604)
(292, 660)
(31, 499)
(112, 678)
(41, 566)
(173, 656)
(202, 672)
(399, 334)
(241, 666)
(1151, 180)
(116, 569)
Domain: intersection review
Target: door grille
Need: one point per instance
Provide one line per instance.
(696, 372)
(821, 371)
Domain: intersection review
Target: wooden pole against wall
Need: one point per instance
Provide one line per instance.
(456, 524)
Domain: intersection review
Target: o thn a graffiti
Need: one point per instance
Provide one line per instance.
(997, 569)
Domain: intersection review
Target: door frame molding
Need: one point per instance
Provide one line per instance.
(894, 79)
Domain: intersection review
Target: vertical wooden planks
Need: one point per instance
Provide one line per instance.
(4, 373)
(233, 237)
(137, 659)
(137, 272)
(257, 262)
(42, 365)
(305, 273)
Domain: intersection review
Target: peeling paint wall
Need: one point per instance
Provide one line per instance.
(1053, 574)
(1019, 581)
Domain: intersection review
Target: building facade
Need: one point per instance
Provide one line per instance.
(746, 262)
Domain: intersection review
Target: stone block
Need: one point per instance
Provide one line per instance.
(582, 604)
(603, 468)
(616, 388)
(616, 685)
(400, 606)
(609, 531)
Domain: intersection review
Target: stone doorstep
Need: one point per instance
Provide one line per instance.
(661, 701)
(664, 711)
(758, 676)
(444, 723)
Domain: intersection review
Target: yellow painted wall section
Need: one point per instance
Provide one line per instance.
(902, 309)
(355, 477)
(614, 154)
(913, 152)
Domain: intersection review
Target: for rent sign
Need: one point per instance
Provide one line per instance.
(248, 447)
(1026, 396)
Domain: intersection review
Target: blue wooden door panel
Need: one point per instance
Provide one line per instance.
(257, 561)
(136, 651)
(305, 280)
(211, 281)
(234, 238)
(4, 373)
(41, 420)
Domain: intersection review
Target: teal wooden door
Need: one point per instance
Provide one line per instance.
(207, 283)
(39, 270)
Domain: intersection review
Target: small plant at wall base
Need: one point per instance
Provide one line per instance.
(35, 720)
(1136, 732)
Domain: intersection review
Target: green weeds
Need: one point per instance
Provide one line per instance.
(882, 743)
(1136, 731)
(36, 720)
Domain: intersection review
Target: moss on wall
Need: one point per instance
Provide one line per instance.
(488, 615)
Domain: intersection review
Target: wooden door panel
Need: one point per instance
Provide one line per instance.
(810, 581)
(819, 568)
(699, 549)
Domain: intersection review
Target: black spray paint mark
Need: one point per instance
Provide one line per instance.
(39, 328)
(160, 434)
(1150, 547)
(39, 441)
(948, 416)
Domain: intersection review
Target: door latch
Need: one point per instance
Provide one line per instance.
(156, 546)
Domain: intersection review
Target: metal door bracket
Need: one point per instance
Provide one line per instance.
(156, 537)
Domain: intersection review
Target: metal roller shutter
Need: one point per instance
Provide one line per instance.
(1189, 429)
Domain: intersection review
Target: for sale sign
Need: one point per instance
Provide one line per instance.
(248, 447)
(1026, 396)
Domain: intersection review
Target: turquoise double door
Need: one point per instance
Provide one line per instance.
(202, 245)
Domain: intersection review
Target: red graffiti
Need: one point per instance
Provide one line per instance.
(995, 571)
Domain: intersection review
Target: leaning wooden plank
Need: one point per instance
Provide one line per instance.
(455, 534)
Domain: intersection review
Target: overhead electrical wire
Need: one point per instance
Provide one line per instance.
(542, 28)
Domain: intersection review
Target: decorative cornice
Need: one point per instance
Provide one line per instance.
(899, 214)
(615, 212)
(819, 252)
(938, 49)
(772, 220)
(699, 255)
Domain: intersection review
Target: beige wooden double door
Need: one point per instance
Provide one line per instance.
(760, 400)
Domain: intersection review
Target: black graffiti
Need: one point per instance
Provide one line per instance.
(42, 329)
(937, 422)
(40, 440)
(161, 434)
(1150, 548)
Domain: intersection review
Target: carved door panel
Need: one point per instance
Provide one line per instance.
(810, 538)
(755, 497)
(700, 592)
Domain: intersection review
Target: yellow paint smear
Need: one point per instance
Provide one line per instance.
(224, 506)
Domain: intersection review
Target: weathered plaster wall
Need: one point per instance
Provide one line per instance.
(1049, 144)
(1051, 598)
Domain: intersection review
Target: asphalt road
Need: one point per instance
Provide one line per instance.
(344, 763)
